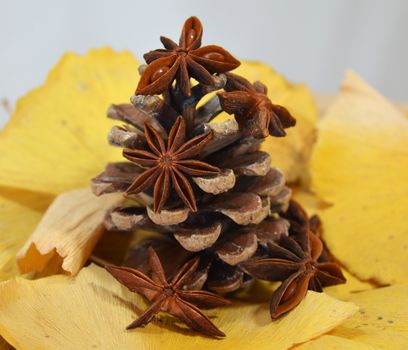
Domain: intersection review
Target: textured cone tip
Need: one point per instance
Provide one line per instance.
(198, 239)
(168, 217)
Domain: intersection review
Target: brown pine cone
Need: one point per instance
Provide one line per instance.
(218, 196)
(205, 188)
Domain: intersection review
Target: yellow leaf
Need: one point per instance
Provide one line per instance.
(291, 153)
(309, 201)
(34, 314)
(314, 205)
(352, 285)
(56, 138)
(360, 164)
(20, 212)
(67, 233)
(381, 323)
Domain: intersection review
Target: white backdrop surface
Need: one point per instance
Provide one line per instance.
(312, 41)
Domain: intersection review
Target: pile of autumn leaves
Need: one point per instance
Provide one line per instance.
(349, 161)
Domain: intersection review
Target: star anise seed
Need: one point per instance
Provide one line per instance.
(182, 61)
(294, 260)
(167, 165)
(170, 297)
(252, 108)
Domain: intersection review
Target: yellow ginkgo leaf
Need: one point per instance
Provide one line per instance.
(34, 314)
(381, 323)
(352, 285)
(291, 153)
(309, 201)
(315, 206)
(67, 233)
(360, 165)
(56, 138)
(20, 212)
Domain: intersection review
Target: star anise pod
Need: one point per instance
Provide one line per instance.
(252, 108)
(172, 297)
(167, 165)
(182, 61)
(295, 262)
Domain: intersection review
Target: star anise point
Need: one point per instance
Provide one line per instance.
(184, 61)
(252, 108)
(171, 297)
(169, 165)
(295, 260)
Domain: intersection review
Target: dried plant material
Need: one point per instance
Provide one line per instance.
(184, 160)
(125, 218)
(199, 238)
(33, 315)
(173, 296)
(216, 184)
(253, 164)
(168, 217)
(290, 154)
(381, 323)
(170, 166)
(281, 200)
(242, 208)
(252, 108)
(226, 280)
(184, 61)
(224, 134)
(116, 178)
(236, 248)
(138, 114)
(112, 248)
(172, 256)
(20, 212)
(360, 164)
(67, 233)
(125, 137)
(271, 230)
(228, 127)
(55, 140)
(298, 261)
(269, 185)
(4, 345)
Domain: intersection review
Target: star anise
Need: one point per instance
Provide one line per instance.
(252, 108)
(167, 166)
(172, 297)
(182, 61)
(294, 260)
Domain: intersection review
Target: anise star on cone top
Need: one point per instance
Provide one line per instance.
(295, 261)
(252, 108)
(182, 61)
(167, 165)
(170, 297)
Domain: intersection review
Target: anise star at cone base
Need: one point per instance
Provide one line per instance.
(170, 297)
(182, 61)
(294, 260)
(169, 166)
(252, 108)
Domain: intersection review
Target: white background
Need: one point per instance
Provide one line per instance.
(312, 41)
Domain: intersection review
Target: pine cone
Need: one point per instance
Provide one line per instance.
(233, 208)
(205, 187)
